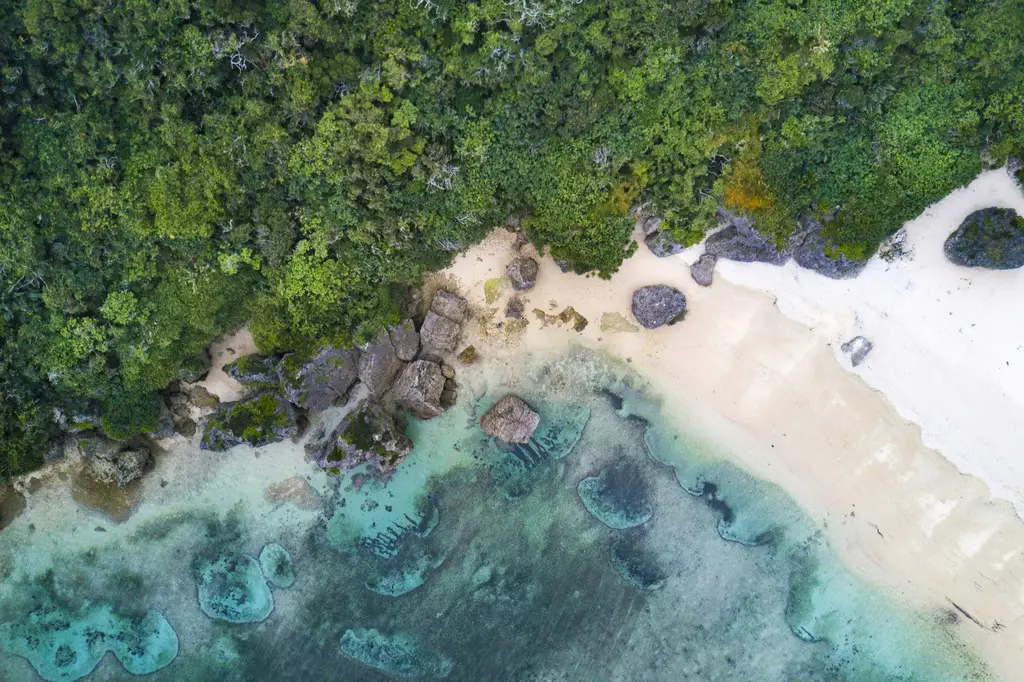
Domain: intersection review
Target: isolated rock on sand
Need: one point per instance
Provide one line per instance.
(989, 238)
(657, 305)
(510, 420)
(810, 250)
(379, 364)
(662, 245)
(369, 433)
(405, 340)
(257, 421)
(318, 382)
(419, 387)
(523, 273)
(254, 370)
(703, 270)
(439, 334)
(857, 348)
(451, 306)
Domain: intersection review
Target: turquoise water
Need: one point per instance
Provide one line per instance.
(613, 546)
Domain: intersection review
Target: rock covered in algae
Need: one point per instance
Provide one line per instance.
(64, 646)
(276, 564)
(636, 565)
(254, 370)
(616, 497)
(397, 579)
(257, 421)
(315, 383)
(110, 461)
(369, 433)
(989, 238)
(232, 588)
(400, 654)
(510, 420)
(615, 322)
(522, 272)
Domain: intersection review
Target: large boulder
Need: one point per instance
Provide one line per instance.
(254, 370)
(657, 305)
(989, 238)
(378, 364)
(419, 388)
(452, 306)
(110, 461)
(812, 251)
(257, 421)
(439, 334)
(510, 420)
(366, 434)
(318, 382)
(703, 271)
(661, 244)
(405, 340)
(740, 242)
(523, 273)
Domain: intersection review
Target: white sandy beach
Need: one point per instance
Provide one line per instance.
(906, 514)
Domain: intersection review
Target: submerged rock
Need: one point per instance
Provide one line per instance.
(635, 564)
(257, 421)
(989, 238)
(468, 355)
(232, 588)
(510, 420)
(64, 646)
(400, 654)
(402, 577)
(378, 364)
(449, 305)
(367, 434)
(439, 334)
(857, 348)
(254, 370)
(704, 269)
(419, 388)
(523, 273)
(616, 497)
(318, 382)
(657, 305)
(662, 245)
(405, 340)
(276, 564)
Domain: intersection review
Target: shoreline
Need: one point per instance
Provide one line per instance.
(771, 395)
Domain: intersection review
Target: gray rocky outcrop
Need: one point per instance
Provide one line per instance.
(449, 393)
(254, 370)
(857, 348)
(662, 245)
(439, 334)
(741, 241)
(811, 250)
(379, 364)
(510, 420)
(650, 225)
(405, 340)
(315, 383)
(451, 306)
(418, 388)
(703, 270)
(523, 273)
(110, 461)
(657, 305)
(369, 433)
(990, 238)
(257, 421)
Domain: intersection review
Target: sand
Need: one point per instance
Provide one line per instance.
(772, 391)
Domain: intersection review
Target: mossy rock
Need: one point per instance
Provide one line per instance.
(990, 238)
(257, 421)
(318, 381)
(369, 433)
(254, 370)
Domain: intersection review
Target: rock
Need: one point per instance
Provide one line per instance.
(379, 364)
(185, 426)
(657, 305)
(742, 242)
(616, 497)
(317, 383)
(857, 348)
(439, 334)
(510, 420)
(650, 225)
(449, 394)
(662, 245)
(515, 308)
(165, 423)
(523, 273)
(257, 421)
(195, 368)
(452, 306)
(419, 387)
(636, 564)
(810, 250)
(232, 588)
(468, 355)
(112, 462)
(397, 655)
(12, 503)
(254, 370)
(563, 265)
(616, 323)
(276, 565)
(703, 270)
(448, 371)
(368, 433)
(405, 340)
(202, 399)
(989, 238)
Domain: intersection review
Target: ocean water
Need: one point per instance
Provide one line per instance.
(613, 546)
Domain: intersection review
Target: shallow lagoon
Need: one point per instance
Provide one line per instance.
(482, 562)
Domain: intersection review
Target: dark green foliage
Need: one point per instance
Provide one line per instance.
(172, 169)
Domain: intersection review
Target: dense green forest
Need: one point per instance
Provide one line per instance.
(173, 168)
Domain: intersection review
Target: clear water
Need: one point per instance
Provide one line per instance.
(612, 547)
